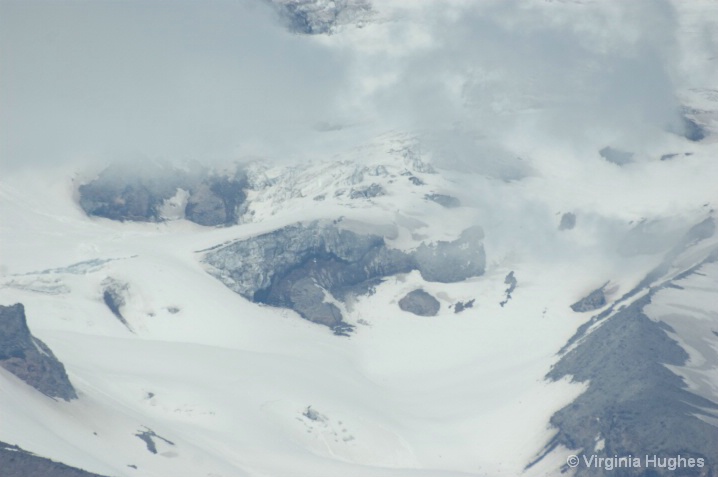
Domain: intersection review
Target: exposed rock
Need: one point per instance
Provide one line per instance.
(689, 128)
(616, 156)
(511, 281)
(314, 17)
(113, 294)
(30, 359)
(373, 190)
(461, 306)
(634, 402)
(314, 415)
(301, 267)
(135, 191)
(568, 221)
(444, 200)
(593, 301)
(17, 462)
(416, 181)
(309, 268)
(215, 201)
(148, 436)
(204, 207)
(692, 130)
(151, 192)
(174, 207)
(420, 303)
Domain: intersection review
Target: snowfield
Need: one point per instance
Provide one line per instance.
(200, 381)
(229, 382)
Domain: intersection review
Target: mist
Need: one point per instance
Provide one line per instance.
(176, 80)
(482, 82)
(498, 74)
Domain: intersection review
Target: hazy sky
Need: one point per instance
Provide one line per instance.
(218, 79)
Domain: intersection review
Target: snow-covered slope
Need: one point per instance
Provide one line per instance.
(180, 373)
(240, 388)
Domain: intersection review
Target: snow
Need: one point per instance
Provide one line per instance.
(691, 312)
(230, 379)
(227, 381)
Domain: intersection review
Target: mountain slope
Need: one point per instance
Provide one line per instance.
(506, 214)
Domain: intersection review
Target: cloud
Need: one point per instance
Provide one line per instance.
(170, 79)
(220, 79)
(585, 73)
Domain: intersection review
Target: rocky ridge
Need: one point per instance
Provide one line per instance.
(311, 267)
(638, 401)
(30, 359)
(153, 192)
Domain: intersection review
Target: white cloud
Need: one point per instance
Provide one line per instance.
(216, 79)
(171, 79)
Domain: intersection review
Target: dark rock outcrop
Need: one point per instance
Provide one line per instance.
(138, 193)
(17, 462)
(148, 436)
(309, 268)
(131, 191)
(593, 301)
(420, 303)
(216, 200)
(511, 281)
(636, 404)
(461, 305)
(113, 294)
(30, 359)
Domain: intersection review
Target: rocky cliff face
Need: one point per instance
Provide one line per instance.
(144, 193)
(30, 359)
(308, 267)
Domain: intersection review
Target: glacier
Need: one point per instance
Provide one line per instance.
(389, 239)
